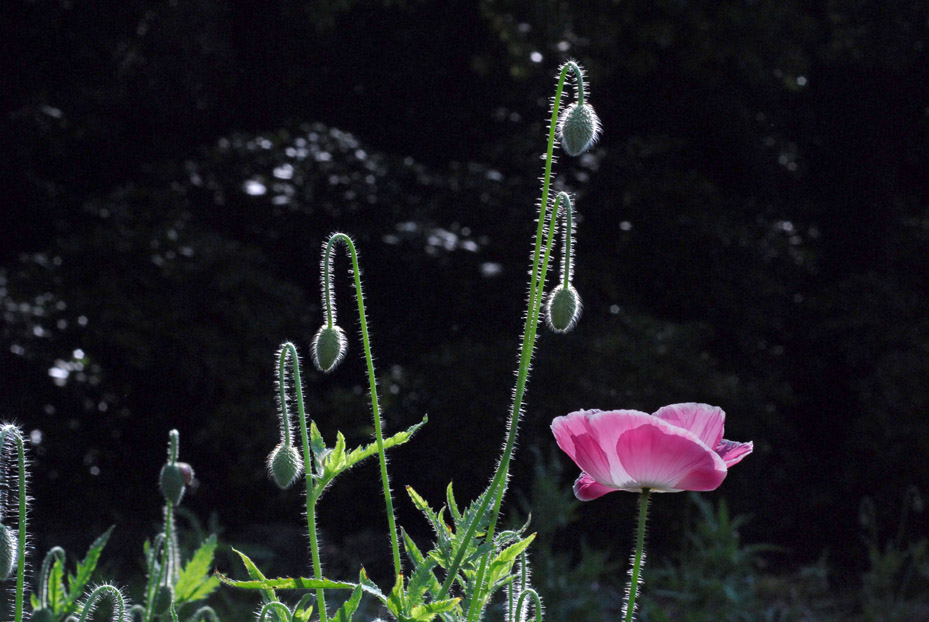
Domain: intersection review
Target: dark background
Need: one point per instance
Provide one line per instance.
(753, 233)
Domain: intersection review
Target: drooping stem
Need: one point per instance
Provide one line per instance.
(375, 410)
(527, 347)
(13, 432)
(116, 597)
(288, 350)
(639, 558)
(55, 554)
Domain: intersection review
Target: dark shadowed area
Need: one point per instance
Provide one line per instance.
(752, 232)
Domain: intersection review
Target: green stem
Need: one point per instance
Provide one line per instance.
(119, 604)
(537, 281)
(639, 553)
(288, 349)
(55, 554)
(359, 296)
(12, 430)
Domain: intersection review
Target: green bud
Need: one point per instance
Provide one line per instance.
(7, 552)
(163, 599)
(329, 346)
(43, 615)
(284, 465)
(578, 128)
(174, 480)
(563, 309)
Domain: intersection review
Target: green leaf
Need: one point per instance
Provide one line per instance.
(428, 611)
(360, 453)
(287, 583)
(396, 602)
(267, 595)
(421, 580)
(502, 564)
(58, 600)
(195, 581)
(346, 611)
(452, 506)
(303, 610)
(84, 570)
(34, 601)
(370, 587)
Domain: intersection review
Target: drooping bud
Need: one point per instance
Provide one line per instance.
(563, 309)
(163, 599)
(43, 615)
(329, 346)
(174, 480)
(578, 128)
(7, 552)
(284, 465)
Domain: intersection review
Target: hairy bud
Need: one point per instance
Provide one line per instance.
(284, 465)
(43, 615)
(329, 346)
(563, 309)
(578, 128)
(174, 480)
(163, 599)
(7, 552)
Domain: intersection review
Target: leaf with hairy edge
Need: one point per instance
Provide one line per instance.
(195, 581)
(287, 583)
(428, 611)
(370, 587)
(502, 564)
(267, 595)
(303, 610)
(58, 600)
(360, 453)
(452, 506)
(346, 611)
(85, 569)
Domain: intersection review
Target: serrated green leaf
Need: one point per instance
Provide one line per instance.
(412, 551)
(347, 610)
(421, 580)
(34, 601)
(59, 600)
(85, 568)
(370, 587)
(502, 564)
(452, 506)
(428, 611)
(360, 453)
(195, 581)
(303, 610)
(287, 583)
(267, 595)
(396, 601)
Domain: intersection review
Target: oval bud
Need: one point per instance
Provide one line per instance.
(43, 615)
(7, 552)
(563, 309)
(174, 480)
(578, 128)
(163, 599)
(284, 465)
(329, 346)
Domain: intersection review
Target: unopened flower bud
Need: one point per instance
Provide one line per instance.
(163, 599)
(43, 615)
(284, 465)
(578, 128)
(174, 480)
(7, 552)
(329, 346)
(563, 309)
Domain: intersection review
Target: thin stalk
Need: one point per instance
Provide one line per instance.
(21, 545)
(525, 356)
(311, 496)
(382, 458)
(639, 553)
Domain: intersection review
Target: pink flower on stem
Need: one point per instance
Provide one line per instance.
(680, 447)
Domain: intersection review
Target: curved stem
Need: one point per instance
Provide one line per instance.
(568, 237)
(12, 430)
(391, 521)
(276, 606)
(536, 601)
(55, 553)
(525, 358)
(288, 349)
(639, 555)
(105, 590)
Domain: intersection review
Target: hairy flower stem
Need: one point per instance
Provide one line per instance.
(13, 432)
(391, 521)
(289, 350)
(537, 282)
(639, 555)
(163, 574)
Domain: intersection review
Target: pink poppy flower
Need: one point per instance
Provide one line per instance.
(680, 447)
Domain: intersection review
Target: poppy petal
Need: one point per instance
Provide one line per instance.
(669, 459)
(587, 488)
(733, 451)
(702, 420)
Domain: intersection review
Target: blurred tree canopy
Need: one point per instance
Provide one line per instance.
(753, 233)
